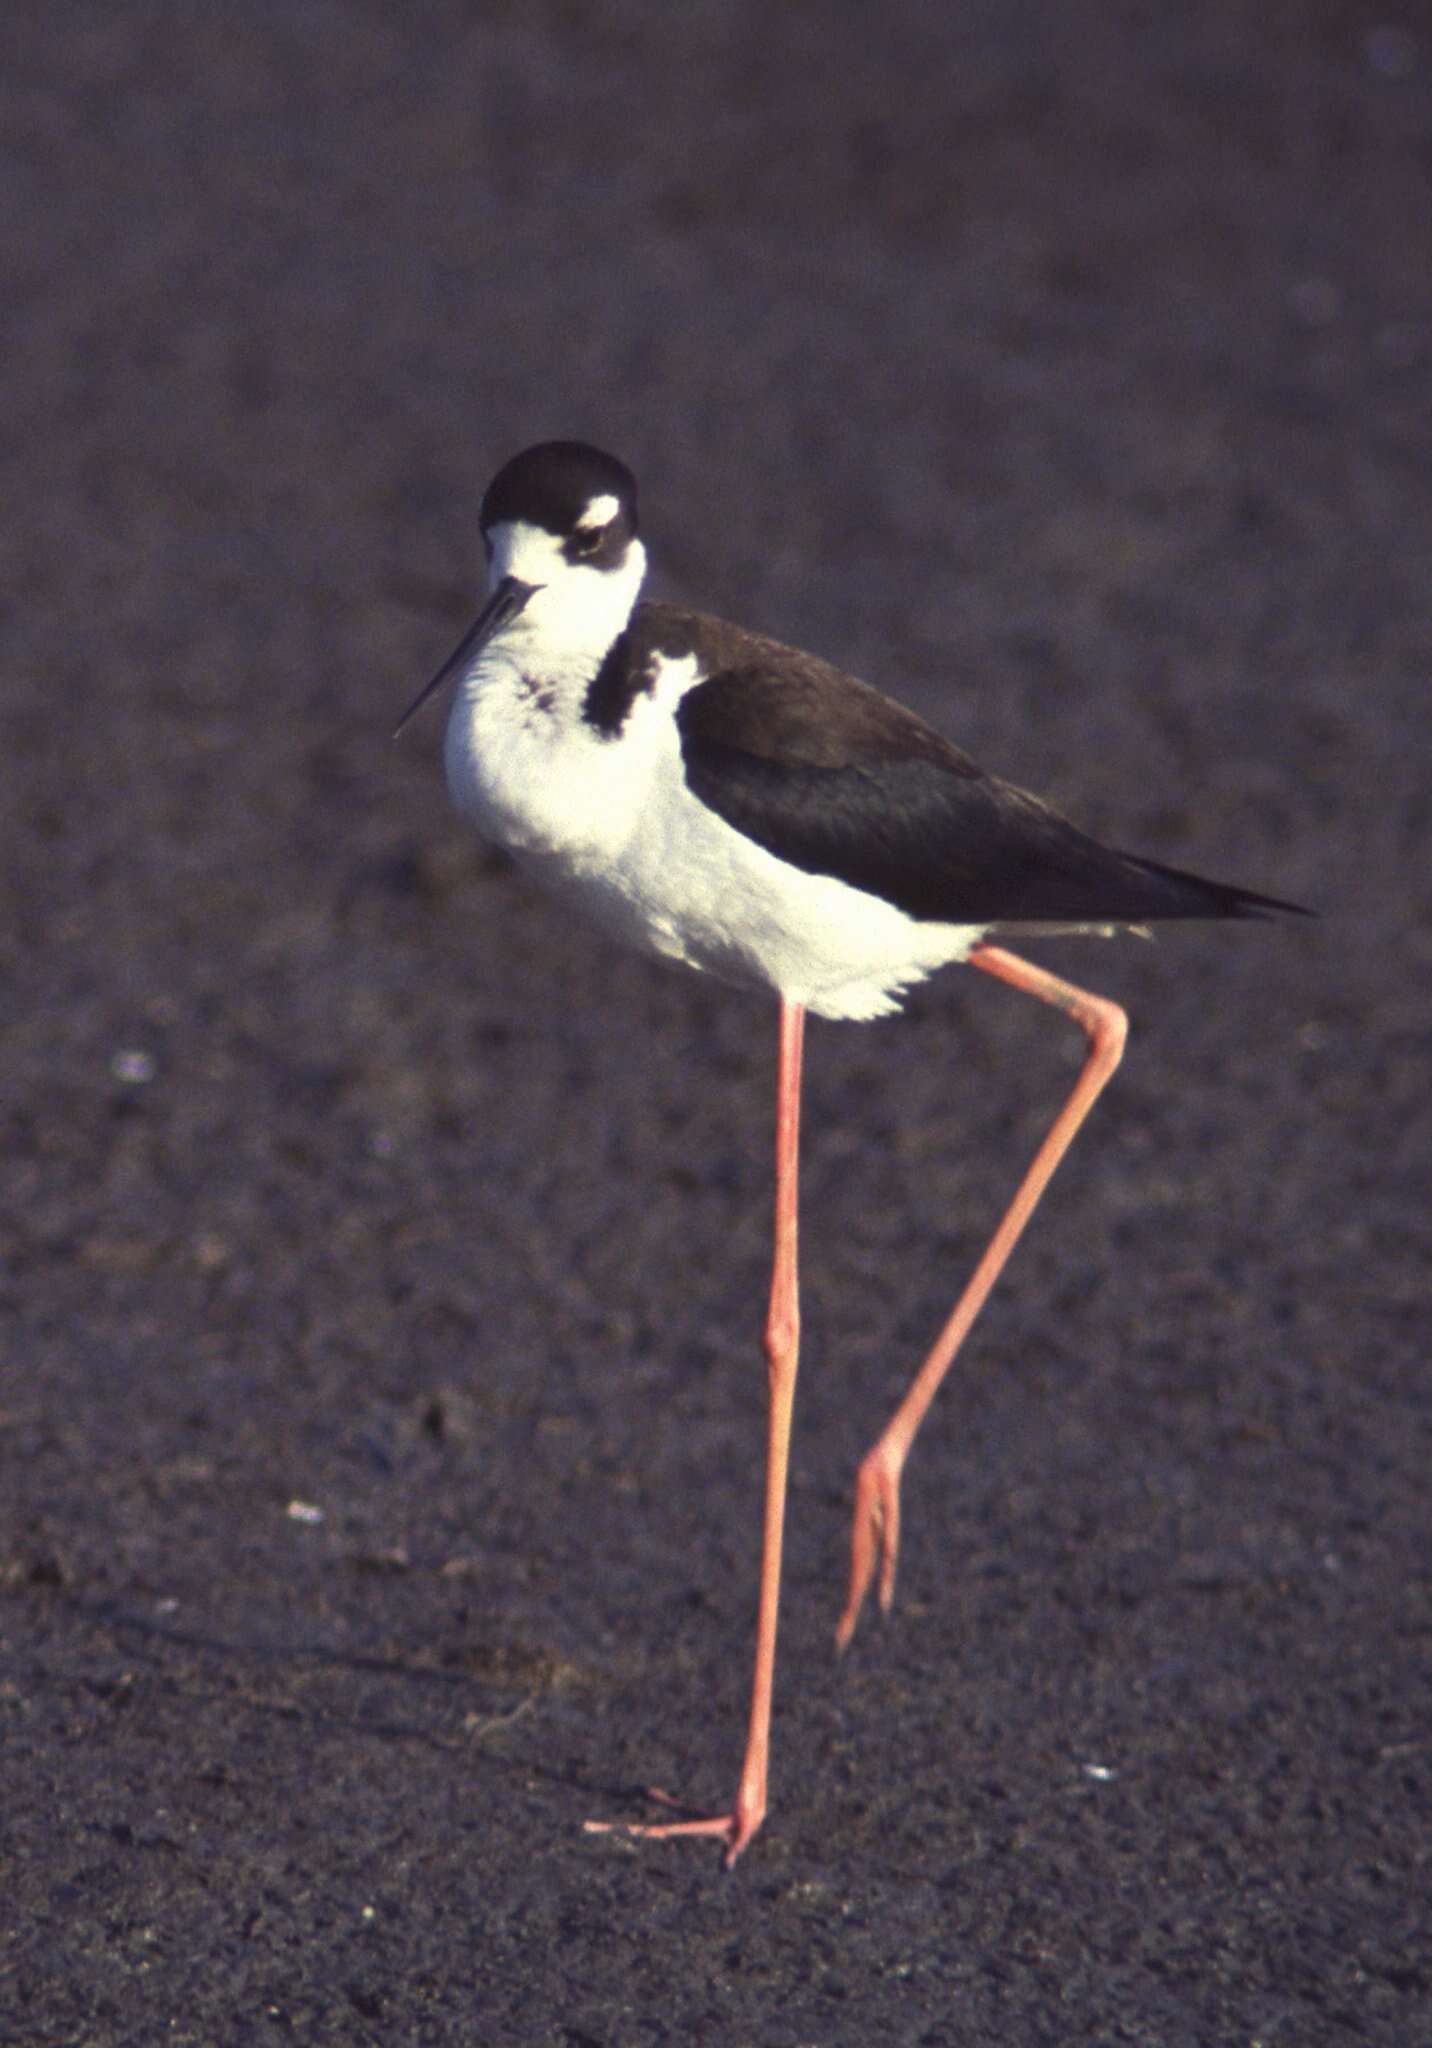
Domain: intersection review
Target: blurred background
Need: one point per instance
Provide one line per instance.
(383, 1255)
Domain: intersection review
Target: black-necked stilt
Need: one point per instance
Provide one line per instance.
(724, 800)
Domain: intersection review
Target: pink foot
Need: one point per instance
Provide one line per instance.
(735, 1829)
(874, 1535)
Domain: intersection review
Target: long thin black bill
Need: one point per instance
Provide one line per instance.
(504, 604)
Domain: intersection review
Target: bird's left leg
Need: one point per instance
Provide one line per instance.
(782, 1351)
(875, 1536)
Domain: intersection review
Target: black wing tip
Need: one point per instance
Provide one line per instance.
(1246, 904)
(1204, 898)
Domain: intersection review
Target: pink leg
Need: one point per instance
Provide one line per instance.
(876, 1531)
(782, 1349)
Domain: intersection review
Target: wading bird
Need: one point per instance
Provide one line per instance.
(723, 800)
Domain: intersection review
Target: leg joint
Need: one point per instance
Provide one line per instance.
(1108, 1027)
(783, 1337)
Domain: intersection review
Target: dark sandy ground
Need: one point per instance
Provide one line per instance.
(383, 1256)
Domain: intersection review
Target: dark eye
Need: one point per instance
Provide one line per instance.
(587, 541)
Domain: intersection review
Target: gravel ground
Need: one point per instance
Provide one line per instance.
(383, 1257)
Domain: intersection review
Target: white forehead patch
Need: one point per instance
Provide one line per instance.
(600, 512)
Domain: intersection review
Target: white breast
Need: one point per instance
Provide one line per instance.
(535, 776)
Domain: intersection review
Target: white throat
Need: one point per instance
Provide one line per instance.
(575, 609)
